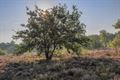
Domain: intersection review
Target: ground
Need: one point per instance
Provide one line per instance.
(96, 65)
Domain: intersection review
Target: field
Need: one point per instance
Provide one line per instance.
(94, 65)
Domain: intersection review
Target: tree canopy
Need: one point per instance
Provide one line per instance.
(116, 41)
(50, 29)
(117, 24)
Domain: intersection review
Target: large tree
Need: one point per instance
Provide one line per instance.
(50, 29)
(103, 38)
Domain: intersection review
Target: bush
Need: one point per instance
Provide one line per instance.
(2, 52)
(20, 49)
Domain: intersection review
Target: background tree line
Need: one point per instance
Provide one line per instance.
(105, 40)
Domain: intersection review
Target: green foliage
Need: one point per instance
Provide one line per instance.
(8, 47)
(101, 40)
(94, 42)
(60, 51)
(50, 29)
(115, 42)
(105, 37)
(21, 48)
(117, 24)
(2, 52)
(76, 45)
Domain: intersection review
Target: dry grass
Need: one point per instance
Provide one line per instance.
(110, 53)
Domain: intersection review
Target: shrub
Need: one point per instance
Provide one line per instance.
(2, 52)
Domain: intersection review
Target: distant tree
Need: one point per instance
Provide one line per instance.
(103, 38)
(20, 49)
(48, 30)
(2, 52)
(100, 41)
(115, 43)
(117, 24)
(8, 47)
(95, 42)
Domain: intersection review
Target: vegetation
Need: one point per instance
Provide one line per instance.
(51, 29)
(101, 41)
(68, 54)
(117, 24)
(2, 52)
(74, 68)
(20, 49)
(116, 40)
(115, 43)
(8, 47)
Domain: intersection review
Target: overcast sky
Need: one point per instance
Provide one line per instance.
(97, 14)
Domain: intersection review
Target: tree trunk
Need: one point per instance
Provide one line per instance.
(48, 56)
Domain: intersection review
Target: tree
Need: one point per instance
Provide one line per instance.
(117, 24)
(103, 38)
(95, 42)
(21, 48)
(116, 41)
(50, 29)
(8, 47)
(2, 52)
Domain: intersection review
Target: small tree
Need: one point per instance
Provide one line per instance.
(2, 52)
(117, 24)
(21, 48)
(95, 42)
(103, 38)
(116, 41)
(48, 30)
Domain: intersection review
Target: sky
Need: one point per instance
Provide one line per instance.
(97, 14)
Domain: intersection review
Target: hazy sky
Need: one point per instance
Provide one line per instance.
(97, 14)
